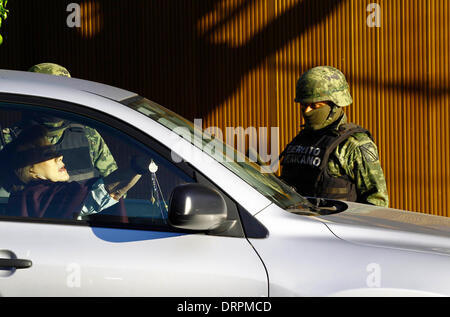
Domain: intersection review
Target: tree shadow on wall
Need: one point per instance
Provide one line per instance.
(156, 48)
(195, 73)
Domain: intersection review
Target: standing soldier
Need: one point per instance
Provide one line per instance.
(85, 152)
(331, 158)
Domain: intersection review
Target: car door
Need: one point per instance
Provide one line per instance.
(121, 252)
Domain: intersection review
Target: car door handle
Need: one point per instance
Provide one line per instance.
(15, 264)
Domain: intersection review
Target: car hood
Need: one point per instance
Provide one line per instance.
(386, 227)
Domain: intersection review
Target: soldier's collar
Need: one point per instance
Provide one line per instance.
(342, 120)
(55, 129)
(334, 126)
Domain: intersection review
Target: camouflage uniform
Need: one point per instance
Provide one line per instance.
(50, 69)
(100, 154)
(355, 160)
(358, 158)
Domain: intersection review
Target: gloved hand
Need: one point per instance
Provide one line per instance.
(143, 165)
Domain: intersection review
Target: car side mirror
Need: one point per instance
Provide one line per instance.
(196, 207)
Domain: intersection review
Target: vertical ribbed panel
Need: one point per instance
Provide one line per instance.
(234, 63)
(398, 74)
(91, 19)
(249, 105)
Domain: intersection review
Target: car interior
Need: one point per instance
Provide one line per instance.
(146, 202)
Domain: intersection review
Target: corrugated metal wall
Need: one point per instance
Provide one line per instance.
(235, 63)
(398, 73)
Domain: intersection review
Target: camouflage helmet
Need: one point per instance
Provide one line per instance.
(50, 68)
(323, 83)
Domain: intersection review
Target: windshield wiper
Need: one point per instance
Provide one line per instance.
(318, 207)
(305, 206)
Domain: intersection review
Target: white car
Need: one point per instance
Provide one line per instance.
(202, 226)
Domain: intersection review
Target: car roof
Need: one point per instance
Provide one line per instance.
(52, 81)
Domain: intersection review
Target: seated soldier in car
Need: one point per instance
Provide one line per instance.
(87, 154)
(35, 173)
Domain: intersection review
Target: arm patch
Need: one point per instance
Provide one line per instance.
(369, 152)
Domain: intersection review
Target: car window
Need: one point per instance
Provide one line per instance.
(268, 184)
(91, 152)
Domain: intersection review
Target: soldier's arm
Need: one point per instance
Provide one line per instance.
(6, 134)
(101, 156)
(364, 167)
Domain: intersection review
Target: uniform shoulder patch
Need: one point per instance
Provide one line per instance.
(369, 152)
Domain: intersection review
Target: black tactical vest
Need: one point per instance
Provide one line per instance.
(305, 163)
(74, 146)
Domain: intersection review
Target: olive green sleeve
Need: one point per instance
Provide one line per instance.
(360, 161)
(101, 156)
(7, 135)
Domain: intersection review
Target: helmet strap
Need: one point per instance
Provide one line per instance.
(332, 115)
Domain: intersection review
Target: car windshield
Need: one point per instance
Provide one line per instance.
(267, 184)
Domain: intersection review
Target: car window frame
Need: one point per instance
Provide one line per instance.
(132, 132)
